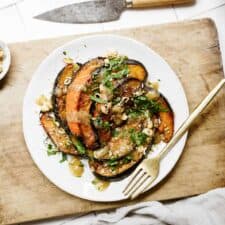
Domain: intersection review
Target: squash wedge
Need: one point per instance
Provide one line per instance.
(60, 90)
(87, 132)
(137, 70)
(107, 169)
(57, 134)
(166, 126)
(74, 93)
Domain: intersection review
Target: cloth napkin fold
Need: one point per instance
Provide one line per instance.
(205, 209)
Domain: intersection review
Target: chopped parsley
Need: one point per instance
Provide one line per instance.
(51, 150)
(115, 133)
(112, 163)
(143, 103)
(99, 123)
(64, 157)
(79, 146)
(127, 159)
(138, 138)
(115, 68)
(97, 99)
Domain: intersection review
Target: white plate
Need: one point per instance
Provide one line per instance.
(6, 60)
(82, 50)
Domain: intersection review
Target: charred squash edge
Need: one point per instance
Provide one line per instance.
(46, 115)
(166, 118)
(120, 175)
(54, 97)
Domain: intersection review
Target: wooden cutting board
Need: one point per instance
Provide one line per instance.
(192, 50)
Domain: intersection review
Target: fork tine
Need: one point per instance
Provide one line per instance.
(142, 188)
(132, 179)
(138, 184)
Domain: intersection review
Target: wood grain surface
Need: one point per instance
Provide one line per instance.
(192, 50)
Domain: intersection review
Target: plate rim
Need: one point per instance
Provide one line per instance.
(6, 67)
(84, 38)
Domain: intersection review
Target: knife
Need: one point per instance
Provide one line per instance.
(101, 10)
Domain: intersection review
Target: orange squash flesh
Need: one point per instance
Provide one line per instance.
(87, 131)
(74, 93)
(166, 126)
(137, 71)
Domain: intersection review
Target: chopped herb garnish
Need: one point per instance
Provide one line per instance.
(112, 163)
(97, 99)
(116, 100)
(143, 103)
(99, 123)
(64, 157)
(51, 149)
(138, 138)
(79, 146)
(64, 53)
(127, 159)
(122, 73)
(115, 133)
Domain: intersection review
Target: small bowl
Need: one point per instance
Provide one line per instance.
(6, 60)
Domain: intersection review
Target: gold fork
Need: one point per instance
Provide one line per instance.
(148, 170)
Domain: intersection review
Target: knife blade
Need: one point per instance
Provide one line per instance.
(86, 12)
(100, 10)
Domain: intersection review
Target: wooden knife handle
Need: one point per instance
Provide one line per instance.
(157, 3)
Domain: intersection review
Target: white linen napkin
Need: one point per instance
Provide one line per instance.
(205, 209)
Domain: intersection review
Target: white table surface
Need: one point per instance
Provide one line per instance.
(17, 25)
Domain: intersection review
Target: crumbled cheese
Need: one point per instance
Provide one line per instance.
(44, 103)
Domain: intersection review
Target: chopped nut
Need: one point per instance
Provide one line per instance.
(44, 103)
(68, 80)
(112, 53)
(117, 108)
(141, 149)
(148, 132)
(68, 60)
(106, 107)
(153, 94)
(124, 116)
(149, 123)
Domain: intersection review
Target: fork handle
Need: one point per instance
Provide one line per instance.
(184, 127)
